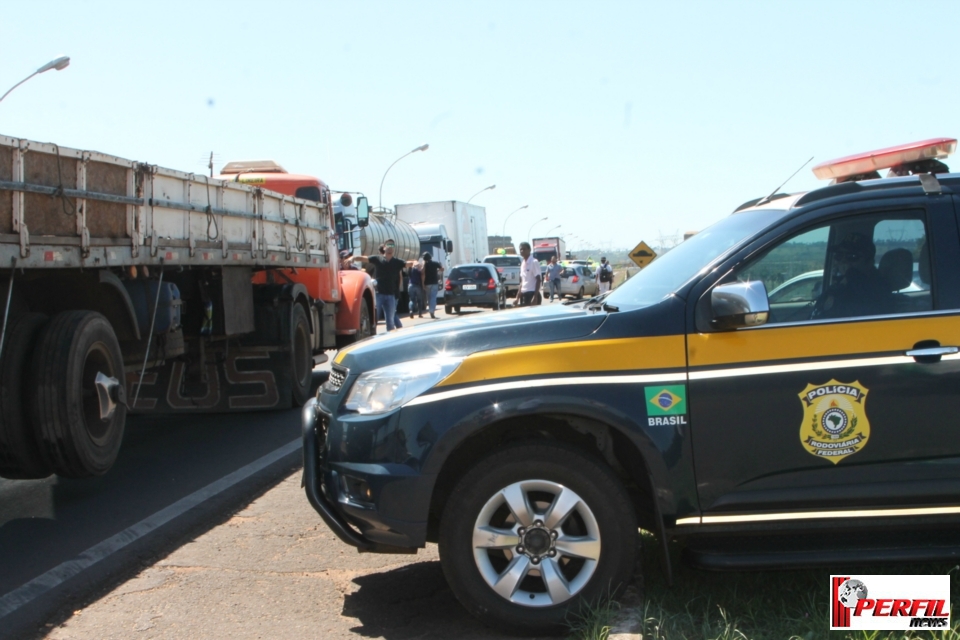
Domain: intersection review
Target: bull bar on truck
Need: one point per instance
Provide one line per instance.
(311, 483)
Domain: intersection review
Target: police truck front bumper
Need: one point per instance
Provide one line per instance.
(322, 483)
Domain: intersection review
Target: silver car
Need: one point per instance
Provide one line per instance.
(576, 281)
(508, 266)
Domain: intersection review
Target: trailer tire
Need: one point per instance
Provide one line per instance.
(20, 456)
(301, 356)
(71, 350)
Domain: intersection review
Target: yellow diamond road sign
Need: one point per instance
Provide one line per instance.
(642, 254)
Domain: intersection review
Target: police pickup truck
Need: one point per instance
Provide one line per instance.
(820, 428)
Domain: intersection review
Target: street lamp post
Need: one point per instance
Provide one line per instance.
(504, 234)
(422, 147)
(530, 232)
(493, 186)
(59, 63)
(553, 228)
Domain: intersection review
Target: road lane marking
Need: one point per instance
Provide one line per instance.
(61, 573)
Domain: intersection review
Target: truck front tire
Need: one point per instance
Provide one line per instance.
(72, 349)
(365, 330)
(20, 456)
(301, 356)
(535, 533)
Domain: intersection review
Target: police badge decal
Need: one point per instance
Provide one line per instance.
(835, 421)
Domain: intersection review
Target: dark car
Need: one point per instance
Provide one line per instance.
(473, 285)
(756, 433)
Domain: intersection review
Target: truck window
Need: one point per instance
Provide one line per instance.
(858, 266)
(680, 265)
(308, 193)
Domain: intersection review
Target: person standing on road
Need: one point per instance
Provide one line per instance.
(416, 289)
(431, 278)
(389, 283)
(605, 275)
(554, 269)
(529, 277)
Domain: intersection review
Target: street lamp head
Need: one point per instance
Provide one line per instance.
(422, 147)
(59, 64)
(493, 186)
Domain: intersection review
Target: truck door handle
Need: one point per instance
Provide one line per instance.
(931, 354)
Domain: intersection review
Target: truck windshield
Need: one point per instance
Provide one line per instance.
(672, 270)
(503, 261)
(544, 255)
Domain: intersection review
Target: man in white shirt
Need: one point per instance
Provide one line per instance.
(604, 275)
(530, 277)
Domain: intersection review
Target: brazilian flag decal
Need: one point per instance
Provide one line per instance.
(670, 400)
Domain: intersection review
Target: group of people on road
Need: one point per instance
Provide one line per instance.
(531, 276)
(423, 278)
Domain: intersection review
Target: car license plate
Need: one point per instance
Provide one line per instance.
(469, 287)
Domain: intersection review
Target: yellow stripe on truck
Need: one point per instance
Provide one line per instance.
(820, 340)
(626, 354)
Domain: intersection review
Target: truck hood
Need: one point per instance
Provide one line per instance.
(464, 336)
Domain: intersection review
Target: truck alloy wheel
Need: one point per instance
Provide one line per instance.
(536, 529)
(533, 533)
(65, 407)
(20, 456)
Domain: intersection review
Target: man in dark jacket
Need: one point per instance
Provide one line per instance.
(389, 271)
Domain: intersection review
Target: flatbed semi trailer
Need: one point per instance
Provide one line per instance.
(128, 287)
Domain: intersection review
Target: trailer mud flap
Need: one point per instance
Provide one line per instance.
(241, 379)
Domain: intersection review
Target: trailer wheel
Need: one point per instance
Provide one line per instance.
(301, 356)
(64, 403)
(20, 456)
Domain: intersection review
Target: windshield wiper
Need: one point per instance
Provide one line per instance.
(597, 302)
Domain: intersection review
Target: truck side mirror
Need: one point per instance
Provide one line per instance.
(449, 246)
(363, 212)
(739, 304)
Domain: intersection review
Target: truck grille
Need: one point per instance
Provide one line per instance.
(338, 375)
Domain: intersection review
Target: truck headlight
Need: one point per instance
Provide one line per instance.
(383, 390)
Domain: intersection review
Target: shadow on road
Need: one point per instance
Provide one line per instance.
(411, 602)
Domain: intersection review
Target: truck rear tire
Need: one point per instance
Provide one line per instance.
(301, 356)
(72, 349)
(20, 456)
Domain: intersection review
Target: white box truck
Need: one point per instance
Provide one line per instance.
(464, 224)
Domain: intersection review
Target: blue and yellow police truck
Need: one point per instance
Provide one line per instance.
(817, 427)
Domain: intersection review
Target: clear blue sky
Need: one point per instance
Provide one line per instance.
(617, 120)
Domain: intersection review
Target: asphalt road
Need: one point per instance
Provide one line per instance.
(70, 545)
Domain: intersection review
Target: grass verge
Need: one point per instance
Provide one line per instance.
(760, 605)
